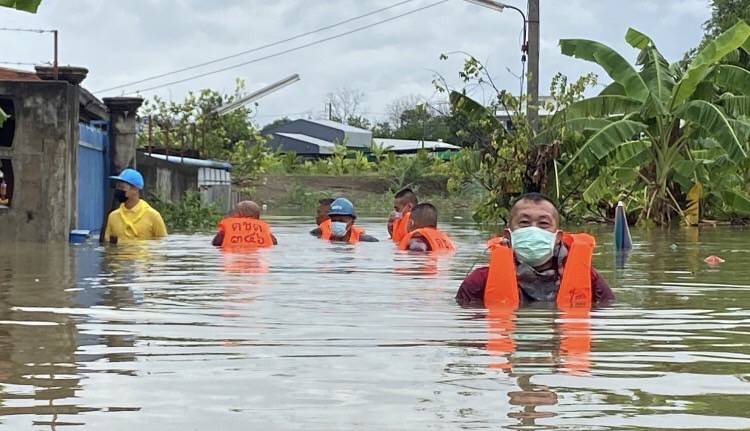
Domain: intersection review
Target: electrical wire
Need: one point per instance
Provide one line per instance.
(286, 51)
(259, 48)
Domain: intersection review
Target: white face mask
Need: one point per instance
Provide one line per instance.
(339, 228)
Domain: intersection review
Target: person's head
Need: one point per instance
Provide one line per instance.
(247, 209)
(321, 214)
(405, 200)
(423, 215)
(342, 215)
(128, 185)
(533, 228)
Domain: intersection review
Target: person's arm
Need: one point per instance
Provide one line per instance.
(368, 238)
(218, 239)
(160, 229)
(601, 294)
(471, 292)
(316, 232)
(275, 241)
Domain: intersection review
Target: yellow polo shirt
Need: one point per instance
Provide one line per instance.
(139, 222)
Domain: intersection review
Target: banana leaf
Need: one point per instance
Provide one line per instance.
(606, 139)
(730, 78)
(24, 5)
(613, 89)
(613, 63)
(711, 119)
(736, 106)
(692, 211)
(637, 40)
(602, 106)
(736, 201)
(631, 154)
(706, 58)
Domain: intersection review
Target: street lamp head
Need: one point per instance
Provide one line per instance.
(489, 4)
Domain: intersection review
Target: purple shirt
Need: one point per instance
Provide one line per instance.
(471, 292)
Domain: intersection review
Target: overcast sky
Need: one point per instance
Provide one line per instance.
(124, 41)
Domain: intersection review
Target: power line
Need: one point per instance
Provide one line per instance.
(27, 30)
(259, 48)
(297, 48)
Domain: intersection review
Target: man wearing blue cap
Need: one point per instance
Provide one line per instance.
(342, 229)
(134, 219)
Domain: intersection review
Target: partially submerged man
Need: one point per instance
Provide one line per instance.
(243, 229)
(423, 232)
(342, 216)
(536, 262)
(322, 219)
(398, 222)
(134, 219)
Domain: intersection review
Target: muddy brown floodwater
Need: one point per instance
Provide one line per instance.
(175, 335)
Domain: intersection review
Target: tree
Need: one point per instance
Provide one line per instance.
(661, 128)
(724, 14)
(398, 107)
(344, 103)
(358, 121)
(269, 128)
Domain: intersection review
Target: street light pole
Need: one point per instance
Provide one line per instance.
(532, 85)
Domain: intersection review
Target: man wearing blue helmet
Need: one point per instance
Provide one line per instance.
(342, 229)
(134, 219)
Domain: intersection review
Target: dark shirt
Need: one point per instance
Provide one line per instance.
(471, 292)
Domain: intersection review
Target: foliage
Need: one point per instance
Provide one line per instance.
(724, 14)
(192, 125)
(24, 5)
(660, 128)
(190, 214)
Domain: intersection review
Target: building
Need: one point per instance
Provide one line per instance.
(56, 151)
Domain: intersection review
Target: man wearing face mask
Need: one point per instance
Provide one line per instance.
(342, 218)
(535, 262)
(134, 219)
(398, 223)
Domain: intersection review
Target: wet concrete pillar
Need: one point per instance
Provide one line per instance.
(122, 117)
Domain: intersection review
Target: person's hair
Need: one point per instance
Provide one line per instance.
(536, 198)
(424, 215)
(409, 195)
(326, 201)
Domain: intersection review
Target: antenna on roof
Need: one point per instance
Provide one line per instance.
(237, 104)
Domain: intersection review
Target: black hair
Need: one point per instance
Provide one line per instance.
(326, 201)
(425, 215)
(535, 197)
(409, 195)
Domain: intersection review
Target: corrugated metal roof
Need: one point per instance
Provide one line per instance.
(324, 147)
(412, 145)
(340, 126)
(216, 164)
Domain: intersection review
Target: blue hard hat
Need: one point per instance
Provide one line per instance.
(130, 176)
(342, 206)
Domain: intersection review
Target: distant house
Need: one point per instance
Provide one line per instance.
(318, 138)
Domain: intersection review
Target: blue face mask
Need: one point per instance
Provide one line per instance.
(532, 245)
(339, 228)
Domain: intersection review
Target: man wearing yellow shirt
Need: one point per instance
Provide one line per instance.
(134, 219)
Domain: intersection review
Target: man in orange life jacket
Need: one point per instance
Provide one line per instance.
(423, 233)
(244, 229)
(342, 227)
(546, 262)
(321, 217)
(398, 223)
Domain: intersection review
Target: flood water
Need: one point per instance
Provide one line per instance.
(175, 335)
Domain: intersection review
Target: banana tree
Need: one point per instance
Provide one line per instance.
(660, 127)
(24, 5)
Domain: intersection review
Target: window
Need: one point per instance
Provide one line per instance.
(9, 127)
(6, 182)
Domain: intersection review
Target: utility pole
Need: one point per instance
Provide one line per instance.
(532, 83)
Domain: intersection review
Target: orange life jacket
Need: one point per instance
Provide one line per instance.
(325, 228)
(353, 237)
(400, 227)
(245, 232)
(501, 290)
(438, 240)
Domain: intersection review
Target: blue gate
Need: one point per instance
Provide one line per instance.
(93, 145)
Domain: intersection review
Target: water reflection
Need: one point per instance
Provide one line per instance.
(178, 335)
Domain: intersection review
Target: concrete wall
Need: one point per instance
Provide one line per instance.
(43, 157)
(168, 181)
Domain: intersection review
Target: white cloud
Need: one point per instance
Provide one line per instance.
(128, 40)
